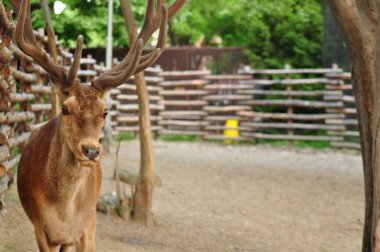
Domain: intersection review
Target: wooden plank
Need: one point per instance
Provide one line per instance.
(344, 76)
(6, 166)
(223, 127)
(182, 83)
(134, 119)
(135, 107)
(189, 103)
(289, 93)
(232, 108)
(39, 107)
(130, 97)
(226, 97)
(221, 118)
(295, 103)
(168, 93)
(222, 137)
(217, 87)
(18, 140)
(293, 137)
(168, 114)
(351, 111)
(310, 81)
(13, 117)
(339, 87)
(135, 128)
(183, 123)
(285, 116)
(222, 77)
(352, 122)
(345, 145)
(38, 89)
(260, 125)
(181, 132)
(344, 133)
(291, 71)
(131, 87)
(184, 73)
(4, 153)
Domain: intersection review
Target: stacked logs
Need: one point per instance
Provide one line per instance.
(183, 94)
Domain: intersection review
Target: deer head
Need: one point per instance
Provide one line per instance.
(83, 110)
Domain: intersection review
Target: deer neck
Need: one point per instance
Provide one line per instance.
(64, 174)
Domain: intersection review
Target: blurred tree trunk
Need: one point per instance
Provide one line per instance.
(143, 196)
(359, 22)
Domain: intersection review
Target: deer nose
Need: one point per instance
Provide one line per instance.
(90, 152)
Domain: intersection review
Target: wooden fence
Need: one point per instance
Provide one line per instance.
(272, 104)
(282, 104)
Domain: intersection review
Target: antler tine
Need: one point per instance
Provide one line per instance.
(27, 43)
(111, 79)
(76, 62)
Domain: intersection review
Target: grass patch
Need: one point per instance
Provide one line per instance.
(180, 138)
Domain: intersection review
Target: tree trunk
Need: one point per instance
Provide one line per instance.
(143, 196)
(359, 23)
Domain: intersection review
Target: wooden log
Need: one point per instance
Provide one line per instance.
(258, 82)
(342, 110)
(130, 87)
(3, 84)
(232, 108)
(3, 138)
(38, 89)
(169, 93)
(27, 77)
(39, 107)
(339, 87)
(226, 97)
(227, 77)
(13, 117)
(134, 107)
(183, 123)
(222, 118)
(345, 145)
(5, 55)
(222, 137)
(183, 74)
(295, 103)
(178, 113)
(181, 132)
(182, 83)
(21, 97)
(289, 93)
(343, 76)
(217, 87)
(134, 119)
(8, 165)
(344, 133)
(190, 103)
(352, 122)
(87, 73)
(18, 140)
(124, 97)
(285, 116)
(291, 71)
(32, 127)
(259, 125)
(135, 128)
(293, 137)
(4, 153)
(223, 127)
(5, 104)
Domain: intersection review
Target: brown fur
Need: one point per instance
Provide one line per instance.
(58, 187)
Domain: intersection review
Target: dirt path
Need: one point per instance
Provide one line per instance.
(239, 198)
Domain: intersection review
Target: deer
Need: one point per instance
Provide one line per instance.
(59, 174)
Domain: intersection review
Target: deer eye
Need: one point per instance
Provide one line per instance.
(65, 110)
(105, 113)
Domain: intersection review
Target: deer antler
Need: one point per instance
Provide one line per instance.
(133, 62)
(26, 41)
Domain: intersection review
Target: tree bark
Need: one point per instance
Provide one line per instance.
(143, 196)
(359, 22)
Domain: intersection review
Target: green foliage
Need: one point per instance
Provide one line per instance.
(272, 33)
